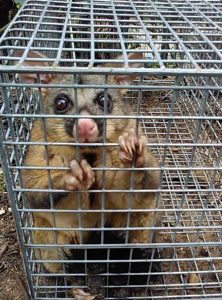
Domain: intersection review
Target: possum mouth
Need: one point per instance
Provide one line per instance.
(90, 157)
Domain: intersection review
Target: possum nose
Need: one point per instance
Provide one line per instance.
(88, 130)
(86, 126)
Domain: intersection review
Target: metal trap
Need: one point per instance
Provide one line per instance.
(153, 64)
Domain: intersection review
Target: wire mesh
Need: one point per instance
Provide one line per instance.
(76, 49)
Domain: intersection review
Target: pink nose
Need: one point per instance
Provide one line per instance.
(87, 130)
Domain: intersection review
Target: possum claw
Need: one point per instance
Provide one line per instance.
(132, 147)
(80, 177)
(79, 294)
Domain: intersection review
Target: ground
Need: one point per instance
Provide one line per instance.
(11, 267)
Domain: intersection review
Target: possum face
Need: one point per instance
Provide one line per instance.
(82, 107)
(86, 103)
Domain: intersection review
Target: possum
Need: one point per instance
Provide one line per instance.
(80, 175)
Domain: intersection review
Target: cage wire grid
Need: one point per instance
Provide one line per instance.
(177, 101)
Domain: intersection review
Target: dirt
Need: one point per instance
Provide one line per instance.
(12, 274)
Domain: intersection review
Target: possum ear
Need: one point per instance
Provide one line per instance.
(32, 77)
(128, 78)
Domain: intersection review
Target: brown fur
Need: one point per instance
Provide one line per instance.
(62, 155)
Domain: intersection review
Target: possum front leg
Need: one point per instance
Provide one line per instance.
(49, 237)
(73, 179)
(59, 253)
(133, 149)
(79, 177)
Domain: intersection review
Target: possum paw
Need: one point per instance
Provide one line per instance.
(80, 177)
(79, 294)
(132, 148)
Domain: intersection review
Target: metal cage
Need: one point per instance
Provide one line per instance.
(175, 98)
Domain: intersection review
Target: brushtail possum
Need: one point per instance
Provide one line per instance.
(132, 149)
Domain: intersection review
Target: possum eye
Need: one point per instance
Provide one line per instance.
(104, 102)
(62, 103)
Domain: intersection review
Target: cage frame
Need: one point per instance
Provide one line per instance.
(196, 69)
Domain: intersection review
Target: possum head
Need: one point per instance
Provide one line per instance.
(85, 102)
